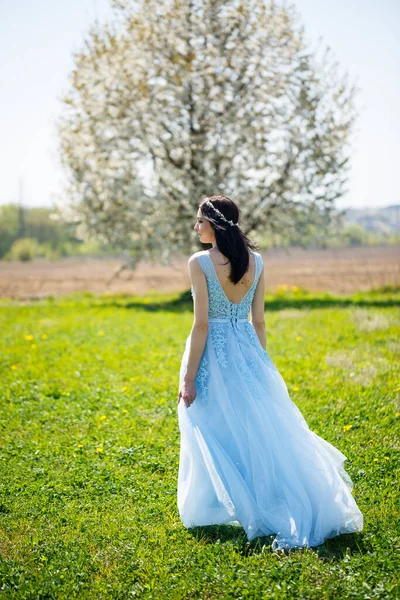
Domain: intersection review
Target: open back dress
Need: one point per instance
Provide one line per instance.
(247, 455)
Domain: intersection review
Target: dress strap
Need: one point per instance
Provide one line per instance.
(204, 261)
(259, 265)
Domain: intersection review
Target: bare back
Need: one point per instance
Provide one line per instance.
(234, 292)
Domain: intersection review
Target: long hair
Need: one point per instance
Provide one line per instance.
(230, 240)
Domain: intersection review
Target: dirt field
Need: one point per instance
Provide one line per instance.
(340, 270)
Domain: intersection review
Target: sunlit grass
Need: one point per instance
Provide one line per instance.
(89, 450)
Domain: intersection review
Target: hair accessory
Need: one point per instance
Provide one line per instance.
(219, 213)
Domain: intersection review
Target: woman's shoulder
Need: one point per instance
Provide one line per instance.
(258, 258)
(257, 255)
(196, 260)
(195, 255)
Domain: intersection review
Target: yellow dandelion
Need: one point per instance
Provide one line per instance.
(298, 338)
(284, 286)
(13, 367)
(100, 333)
(397, 389)
(44, 336)
(123, 389)
(124, 411)
(295, 388)
(80, 445)
(29, 337)
(386, 457)
(347, 427)
(103, 417)
(376, 459)
(371, 442)
(133, 378)
(295, 288)
(99, 449)
(281, 289)
(398, 414)
(33, 345)
(151, 371)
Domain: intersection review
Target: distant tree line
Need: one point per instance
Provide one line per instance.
(28, 233)
(343, 234)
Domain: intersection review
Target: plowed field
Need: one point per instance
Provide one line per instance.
(341, 270)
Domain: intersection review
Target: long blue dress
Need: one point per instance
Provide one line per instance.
(247, 455)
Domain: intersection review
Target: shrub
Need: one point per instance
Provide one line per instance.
(23, 249)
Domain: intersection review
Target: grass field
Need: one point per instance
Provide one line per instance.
(89, 450)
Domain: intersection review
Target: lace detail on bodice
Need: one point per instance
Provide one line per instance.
(219, 306)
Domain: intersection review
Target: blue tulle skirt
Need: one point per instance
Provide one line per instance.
(247, 455)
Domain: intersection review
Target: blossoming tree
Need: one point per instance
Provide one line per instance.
(173, 100)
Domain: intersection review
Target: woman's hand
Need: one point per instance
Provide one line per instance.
(187, 392)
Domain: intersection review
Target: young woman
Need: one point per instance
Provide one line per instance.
(247, 455)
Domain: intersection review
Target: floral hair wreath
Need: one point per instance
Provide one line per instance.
(219, 213)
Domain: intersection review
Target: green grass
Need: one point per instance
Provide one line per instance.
(89, 450)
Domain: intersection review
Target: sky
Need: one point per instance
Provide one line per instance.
(36, 44)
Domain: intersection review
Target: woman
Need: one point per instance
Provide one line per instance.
(247, 455)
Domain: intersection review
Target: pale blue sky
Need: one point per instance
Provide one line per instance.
(37, 39)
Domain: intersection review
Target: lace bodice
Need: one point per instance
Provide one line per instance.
(219, 306)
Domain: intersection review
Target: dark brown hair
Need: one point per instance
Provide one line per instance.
(230, 239)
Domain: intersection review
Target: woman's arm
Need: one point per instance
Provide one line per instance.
(257, 310)
(199, 332)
